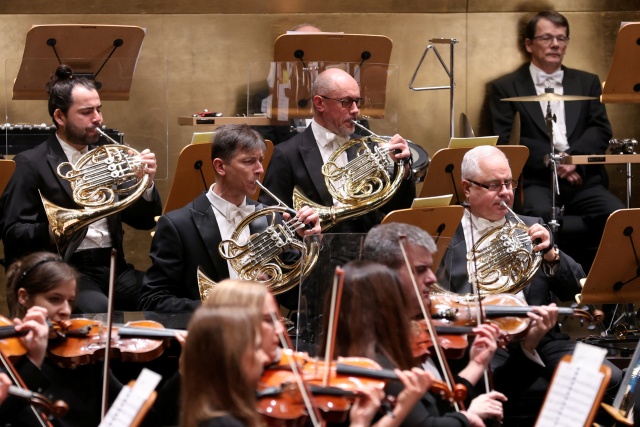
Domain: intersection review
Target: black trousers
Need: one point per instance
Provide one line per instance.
(93, 282)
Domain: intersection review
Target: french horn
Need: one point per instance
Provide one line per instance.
(258, 259)
(97, 179)
(364, 184)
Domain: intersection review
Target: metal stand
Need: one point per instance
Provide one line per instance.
(449, 71)
(553, 160)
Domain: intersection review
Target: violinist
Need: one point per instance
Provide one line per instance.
(42, 286)
(489, 185)
(372, 307)
(221, 364)
(240, 295)
(188, 238)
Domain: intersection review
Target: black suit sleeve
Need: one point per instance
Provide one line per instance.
(141, 214)
(163, 288)
(279, 179)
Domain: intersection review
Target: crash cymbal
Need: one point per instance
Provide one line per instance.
(548, 97)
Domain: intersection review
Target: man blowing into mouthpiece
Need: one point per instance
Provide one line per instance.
(75, 108)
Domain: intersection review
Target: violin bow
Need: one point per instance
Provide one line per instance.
(444, 366)
(107, 346)
(312, 409)
(336, 298)
(17, 380)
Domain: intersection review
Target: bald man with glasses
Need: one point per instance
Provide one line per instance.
(298, 161)
(581, 127)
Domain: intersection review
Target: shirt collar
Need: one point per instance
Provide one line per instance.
(223, 206)
(324, 136)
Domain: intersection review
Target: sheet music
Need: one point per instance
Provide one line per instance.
(574, 389)
(130, 400)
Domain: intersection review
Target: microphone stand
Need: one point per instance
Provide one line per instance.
(552, 161)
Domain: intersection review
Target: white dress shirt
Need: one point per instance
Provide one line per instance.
(228, 217)
(328, 142)
(542, 80)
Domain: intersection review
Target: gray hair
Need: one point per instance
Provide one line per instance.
(471, 160)
(382, 243)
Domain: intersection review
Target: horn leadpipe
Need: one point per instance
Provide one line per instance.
(355, 122)
(282, 204)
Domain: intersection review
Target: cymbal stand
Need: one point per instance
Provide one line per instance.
(552, 161)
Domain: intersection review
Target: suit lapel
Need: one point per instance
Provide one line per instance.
(524, 86)
(312, 159)
(54, 158)
(205, 221)
(571, 86)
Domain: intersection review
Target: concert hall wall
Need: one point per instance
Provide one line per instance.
(207, 46)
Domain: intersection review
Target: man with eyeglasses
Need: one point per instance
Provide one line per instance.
(488, 186)
(298, 161)
(582, 127)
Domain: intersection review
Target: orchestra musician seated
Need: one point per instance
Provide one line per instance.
(488, 186)
(76, 111)
(189, 237)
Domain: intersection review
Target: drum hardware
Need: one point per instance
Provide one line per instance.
(621, 331)
(623, 146)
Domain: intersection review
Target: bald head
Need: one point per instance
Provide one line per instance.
(330, 88)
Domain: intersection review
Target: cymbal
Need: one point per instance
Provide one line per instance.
(548, 97)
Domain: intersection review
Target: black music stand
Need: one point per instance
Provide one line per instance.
(615, 275)
(444, 175)
(440, 222)
(106, 54)
(300, 57)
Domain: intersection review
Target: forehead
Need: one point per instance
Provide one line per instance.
(420, 255)
(344, 85)
(544, 26)
(494, 167)
(248, 154)
(82, 96)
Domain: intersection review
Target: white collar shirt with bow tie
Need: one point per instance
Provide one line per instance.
(542, 80)
(228, 216)
(328, 142)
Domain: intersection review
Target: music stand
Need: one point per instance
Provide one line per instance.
(194, 174)
(623, 82)
(300, 57)
(440, 222)
(615, 275)
(109, 52)
(444, 176)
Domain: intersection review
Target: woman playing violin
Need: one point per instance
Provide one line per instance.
(221, 364)
(42, 286)
(233, 293)
(372, 323)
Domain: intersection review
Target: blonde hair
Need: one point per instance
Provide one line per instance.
(237, 293)
(214, 383)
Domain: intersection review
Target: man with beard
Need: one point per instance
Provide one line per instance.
(75, 107)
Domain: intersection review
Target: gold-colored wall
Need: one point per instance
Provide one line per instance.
(204, 47)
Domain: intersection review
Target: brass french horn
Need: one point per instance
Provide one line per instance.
(364, 184)
(97, 179)
(258, 259)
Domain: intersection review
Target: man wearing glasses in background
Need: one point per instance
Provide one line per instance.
(298, 161)
(581, 127)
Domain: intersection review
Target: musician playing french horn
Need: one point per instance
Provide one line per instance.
(189, 238)
(75, 108)
(299, 162)
(495, 246)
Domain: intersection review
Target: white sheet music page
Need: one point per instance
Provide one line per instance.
(574, 389)
(130, 400)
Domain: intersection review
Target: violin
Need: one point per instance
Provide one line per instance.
(82, 341)
(505, 310)
(454, 343)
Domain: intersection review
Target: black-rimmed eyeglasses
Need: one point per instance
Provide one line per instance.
(548, 39)
(497, 185)
(345, 102)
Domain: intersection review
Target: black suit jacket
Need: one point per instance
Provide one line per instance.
(186, 239)
(588, 128)
(298, 162)
(25, 227)
(453, 275)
